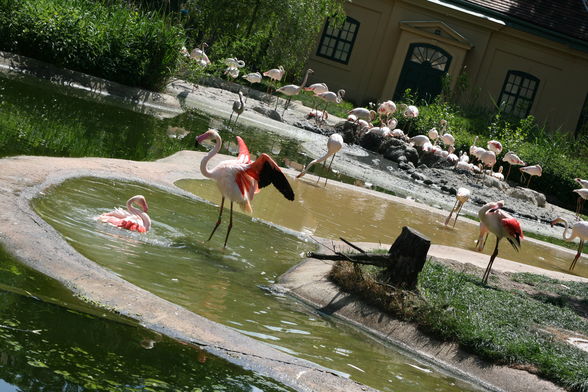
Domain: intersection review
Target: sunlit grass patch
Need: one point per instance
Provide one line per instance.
(503, 326)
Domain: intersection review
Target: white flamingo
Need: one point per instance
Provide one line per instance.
(579, 230)
(291, 89)
(462, 196)
(582, 195)
(238, 107)
(334, 144)
(513, 160)
(252, 78)
(199, 55)
(495, 146)
(534, 170)
(274, 74)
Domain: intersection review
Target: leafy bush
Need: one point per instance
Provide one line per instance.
(108, 40)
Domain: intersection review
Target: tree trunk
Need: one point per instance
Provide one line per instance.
(407, 257)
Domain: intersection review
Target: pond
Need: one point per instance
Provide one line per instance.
(52, 341)
(333, 212)
(230, 286)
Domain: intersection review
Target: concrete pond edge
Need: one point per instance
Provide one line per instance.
(35, 243)
(308, 282)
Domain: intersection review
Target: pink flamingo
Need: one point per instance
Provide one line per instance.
(502, 225)
(133, 219)
(240, 179)
(579, 230)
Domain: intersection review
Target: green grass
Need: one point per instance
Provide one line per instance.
(501, 326)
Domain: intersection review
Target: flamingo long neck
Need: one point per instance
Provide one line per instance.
(305, 79)
(339, 96)
(318, 160)
(204, 162)
(141, 214)
(565, 237)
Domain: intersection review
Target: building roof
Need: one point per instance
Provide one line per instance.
(566, 17)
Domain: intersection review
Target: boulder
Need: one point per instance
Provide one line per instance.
(271, 113)
(528, 195)
(371, 141)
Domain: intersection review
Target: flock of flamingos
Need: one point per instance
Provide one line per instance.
(239, 179)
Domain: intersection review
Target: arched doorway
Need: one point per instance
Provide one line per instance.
(423, 71)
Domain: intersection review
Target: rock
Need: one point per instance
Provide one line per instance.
(527, 194)
(371, 141)
(449, 189)
(348, 130)
(311, 127)
(271, 113)
(412, 155)
(395, 154)
(418, 176)
(422, 166)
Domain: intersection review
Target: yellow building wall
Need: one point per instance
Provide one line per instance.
(380, 50)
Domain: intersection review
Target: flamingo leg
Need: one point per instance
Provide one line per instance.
(218, 221)
(457, 213)
(286, 105)
(230, 225)
(529, 182)
(318, 175)
(231, 117)
(451, 213)
(329, 168)
(489, 267)
(237, 119)
(508, 172)
(573, 265)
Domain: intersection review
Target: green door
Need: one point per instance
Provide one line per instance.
(423, 71)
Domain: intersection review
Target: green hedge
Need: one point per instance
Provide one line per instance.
(109, 40)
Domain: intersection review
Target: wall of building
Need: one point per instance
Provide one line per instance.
(380, 51)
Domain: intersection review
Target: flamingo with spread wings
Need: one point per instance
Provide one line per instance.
(132, 219)
(240, 179)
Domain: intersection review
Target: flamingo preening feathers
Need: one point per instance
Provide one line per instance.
(497, 221)
(240, 179)
(132, 219)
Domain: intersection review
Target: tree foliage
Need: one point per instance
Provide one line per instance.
(263, 33)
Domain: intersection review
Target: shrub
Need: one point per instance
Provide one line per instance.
(107, 40)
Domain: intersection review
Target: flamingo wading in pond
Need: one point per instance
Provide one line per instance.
(463, 195)
(579, 230)
(493, 219)
(132, 219)
(238, 107)
(334, 144)
(240, 179)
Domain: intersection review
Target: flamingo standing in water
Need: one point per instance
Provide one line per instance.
(238, 107)
(579, 230)
(502, 225)
(463, 195)
(132, 219)
(334, 144)
(240, 179)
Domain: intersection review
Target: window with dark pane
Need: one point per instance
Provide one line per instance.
(518, 93)
(336, 43)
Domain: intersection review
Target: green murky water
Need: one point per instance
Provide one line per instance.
(175, 261)
(58, 343)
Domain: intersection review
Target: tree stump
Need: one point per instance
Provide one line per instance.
(407, 256)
